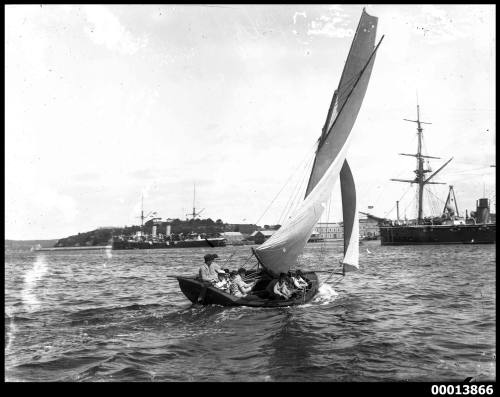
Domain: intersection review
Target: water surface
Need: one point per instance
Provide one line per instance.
(422, 313)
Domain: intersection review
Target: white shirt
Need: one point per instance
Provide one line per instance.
(209, 273)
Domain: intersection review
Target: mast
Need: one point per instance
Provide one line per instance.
(281, 251)
(194, 198)
(420, 172)
(142, 213)
(194, 214)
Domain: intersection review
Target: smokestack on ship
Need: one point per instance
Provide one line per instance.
(483, 210)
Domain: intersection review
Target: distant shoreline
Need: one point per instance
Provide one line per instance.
(96, 247)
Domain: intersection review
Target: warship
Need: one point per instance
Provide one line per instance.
(154, 241)
(448, 227)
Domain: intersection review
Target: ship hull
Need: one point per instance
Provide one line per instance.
(130, 245)
(438, 234)
(211, 242)
(204, 293)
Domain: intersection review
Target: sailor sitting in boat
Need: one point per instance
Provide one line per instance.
(209, 270)
(238, 287)
(289, 281)
(281, 289)
(298, 281)
(223, 282)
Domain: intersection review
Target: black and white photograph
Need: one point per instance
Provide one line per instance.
(251, 193)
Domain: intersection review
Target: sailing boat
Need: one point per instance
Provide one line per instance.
(280, 252)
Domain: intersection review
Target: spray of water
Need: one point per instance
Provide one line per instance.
(109, 255)
(28, 296)
(326, 294)
(31, 279)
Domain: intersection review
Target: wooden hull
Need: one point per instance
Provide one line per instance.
(203, 293)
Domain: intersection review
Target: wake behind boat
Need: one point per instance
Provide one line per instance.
(280, 252)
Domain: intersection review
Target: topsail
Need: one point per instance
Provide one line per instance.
(280, 252)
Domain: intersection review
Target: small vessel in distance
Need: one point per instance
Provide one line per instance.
(192, 242)
(449, 227)
(145, 241)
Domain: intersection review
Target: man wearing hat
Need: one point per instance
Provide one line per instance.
(209, 270)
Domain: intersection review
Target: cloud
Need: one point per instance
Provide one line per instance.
(35, 207)
(302, 14)
(105, 29)
(437, 25)
(446, 24)
(335, 24)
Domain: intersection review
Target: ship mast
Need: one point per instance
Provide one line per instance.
(142, 214)
(420, 172)
(194, 214)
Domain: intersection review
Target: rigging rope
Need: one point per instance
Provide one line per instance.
(388, 212)
(375, 203)
(322, 252)
(442, 201)
(292, 174)
(431, 199)
(244, 264)
(332, 273)
(295, 193)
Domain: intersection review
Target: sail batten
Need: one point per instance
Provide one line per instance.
(280, 252)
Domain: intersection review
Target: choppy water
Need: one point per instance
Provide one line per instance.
(412, 313)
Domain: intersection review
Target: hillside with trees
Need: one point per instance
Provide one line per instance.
(104, 236)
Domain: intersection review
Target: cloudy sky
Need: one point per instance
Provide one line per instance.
(108, 103)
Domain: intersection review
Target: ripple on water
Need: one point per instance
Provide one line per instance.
(410, 313)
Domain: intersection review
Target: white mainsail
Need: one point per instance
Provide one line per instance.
(280, 252)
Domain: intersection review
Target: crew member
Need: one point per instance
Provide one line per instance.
(209, 270)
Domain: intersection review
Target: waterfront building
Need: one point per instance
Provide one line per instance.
(368, 228)
(329, 230)
(233, 238)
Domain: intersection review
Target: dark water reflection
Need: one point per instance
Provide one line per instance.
(411, 313)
